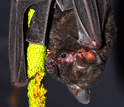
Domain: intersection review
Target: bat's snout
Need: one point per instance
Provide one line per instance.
(50, 64)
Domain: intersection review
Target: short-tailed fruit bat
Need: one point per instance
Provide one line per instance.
(80, 37)
(80, 41)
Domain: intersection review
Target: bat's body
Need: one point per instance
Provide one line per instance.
(81, 34)
(69, 61)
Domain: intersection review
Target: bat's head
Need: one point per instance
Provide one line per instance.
(77, 67)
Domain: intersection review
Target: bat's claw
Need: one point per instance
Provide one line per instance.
(18, 84)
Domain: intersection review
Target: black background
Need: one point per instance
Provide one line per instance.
(108, 92)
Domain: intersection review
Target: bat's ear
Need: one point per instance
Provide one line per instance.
(82, 95)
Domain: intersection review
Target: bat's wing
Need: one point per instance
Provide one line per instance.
(16, 38)
(36, 33)
(65, 4)
(91, 16)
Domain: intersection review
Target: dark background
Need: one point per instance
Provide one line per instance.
(108, 92)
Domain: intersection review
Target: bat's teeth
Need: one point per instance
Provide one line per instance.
(81, 67)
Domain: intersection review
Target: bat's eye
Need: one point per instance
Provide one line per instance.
(63, 55)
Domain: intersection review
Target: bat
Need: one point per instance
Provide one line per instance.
(80, 37)
(79, 43)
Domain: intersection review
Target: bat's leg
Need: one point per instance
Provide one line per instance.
(16, 40)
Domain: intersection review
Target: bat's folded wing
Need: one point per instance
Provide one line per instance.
(90, 16)
(16, 38)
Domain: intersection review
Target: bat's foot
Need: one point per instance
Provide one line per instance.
(19, 84)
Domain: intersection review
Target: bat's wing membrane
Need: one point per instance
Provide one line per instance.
(16, 39)
(90, 17)
(36, 33)
(104, 7)
(65, 4)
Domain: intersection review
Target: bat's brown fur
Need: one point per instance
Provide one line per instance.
(63, 39)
